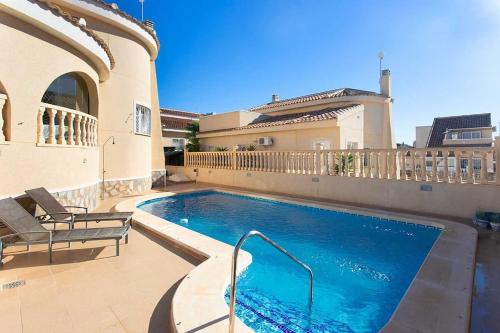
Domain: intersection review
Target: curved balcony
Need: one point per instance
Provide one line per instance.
(59, 126)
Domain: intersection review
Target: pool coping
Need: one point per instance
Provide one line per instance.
(438, 299)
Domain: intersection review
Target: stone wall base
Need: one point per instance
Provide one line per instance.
(158, 178)
(85, 197)
(113, 188)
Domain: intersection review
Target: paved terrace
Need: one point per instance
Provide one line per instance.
(89, 289)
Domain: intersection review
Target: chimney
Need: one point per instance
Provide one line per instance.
(275, 99)
(150, 24)
(385, 83)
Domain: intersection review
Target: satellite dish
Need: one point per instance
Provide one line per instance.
(381, 55)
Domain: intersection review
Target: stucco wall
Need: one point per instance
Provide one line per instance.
(460, 200)
(29, 61)
(296, 137)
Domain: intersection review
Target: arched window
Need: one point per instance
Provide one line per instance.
(69, 91)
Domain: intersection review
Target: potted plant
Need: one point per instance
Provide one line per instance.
(481, 220)
(495, 221)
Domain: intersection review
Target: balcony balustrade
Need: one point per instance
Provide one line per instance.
(61, 126)
(449, 165)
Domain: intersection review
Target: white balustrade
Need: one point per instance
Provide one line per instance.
(73, 128)
(444, 165)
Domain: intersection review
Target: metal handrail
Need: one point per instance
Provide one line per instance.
(232, 293)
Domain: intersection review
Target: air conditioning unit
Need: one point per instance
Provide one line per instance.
(265, 141)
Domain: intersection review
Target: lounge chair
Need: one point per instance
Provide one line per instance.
(57, 212)
(27, 230)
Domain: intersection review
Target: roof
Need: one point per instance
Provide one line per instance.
(179, 113)
(336, 93)
(116, 10)
(442, 124)
(304, 117)
(58, 11)
(174, 123)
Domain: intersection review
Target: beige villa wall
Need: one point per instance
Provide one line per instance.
(460, 200)
(130, 82)
(29, 61)
(351, 128)
(373, 128)
(296, 138)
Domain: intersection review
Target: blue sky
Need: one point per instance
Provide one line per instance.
(222, 55)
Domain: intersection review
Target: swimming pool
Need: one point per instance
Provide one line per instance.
(362, 265)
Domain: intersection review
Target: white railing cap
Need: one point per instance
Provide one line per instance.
(68, 110)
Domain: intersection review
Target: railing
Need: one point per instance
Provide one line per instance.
(451, 165)
(3, 100)
(57, 125)
(234, 265)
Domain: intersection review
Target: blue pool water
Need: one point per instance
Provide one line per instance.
(362, 265)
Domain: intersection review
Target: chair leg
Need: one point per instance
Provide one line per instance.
(117, 247)
(126, 239)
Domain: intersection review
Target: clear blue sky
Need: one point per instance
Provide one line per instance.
(222, 55)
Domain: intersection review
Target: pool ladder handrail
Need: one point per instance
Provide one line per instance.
(232, 293)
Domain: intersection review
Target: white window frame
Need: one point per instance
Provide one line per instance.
(135, 113)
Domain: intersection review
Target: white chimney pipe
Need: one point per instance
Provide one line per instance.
(385, 83)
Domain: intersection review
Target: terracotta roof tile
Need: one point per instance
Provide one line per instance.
(174, 123)
(180, 113)
(440, 125)
(304, 117)
(58, 11)
(316, 96)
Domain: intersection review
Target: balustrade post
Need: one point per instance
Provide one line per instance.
(39, 125)
(458, 169)
(446, 175)
(52, 126)
(2, 103)
(402, 166)
(394, 171)
(84, 131)
(434, 175)
(78, 140)
(423, 167)
(414, 165)
(484, 168)
(470, 169)
(60, 137)
(71, 120)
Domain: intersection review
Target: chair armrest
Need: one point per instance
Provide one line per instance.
(79, 207)
(27, 233)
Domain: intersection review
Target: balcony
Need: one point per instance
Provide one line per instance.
(59, 126)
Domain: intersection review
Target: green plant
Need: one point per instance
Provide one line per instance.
(221, 149)
(251, 147)
(345, 166)
(193, 143)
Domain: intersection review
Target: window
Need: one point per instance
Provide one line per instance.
(352, 145)
(69, 91)
(469, 135)
(142, 120)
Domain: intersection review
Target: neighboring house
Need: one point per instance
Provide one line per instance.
(473, 130)
(173, 125)
(76, 77)
(337, 119)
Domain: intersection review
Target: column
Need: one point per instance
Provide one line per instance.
(446, 178)
(71, 123)
(434, 175)
(52, 126)
(39, 125)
